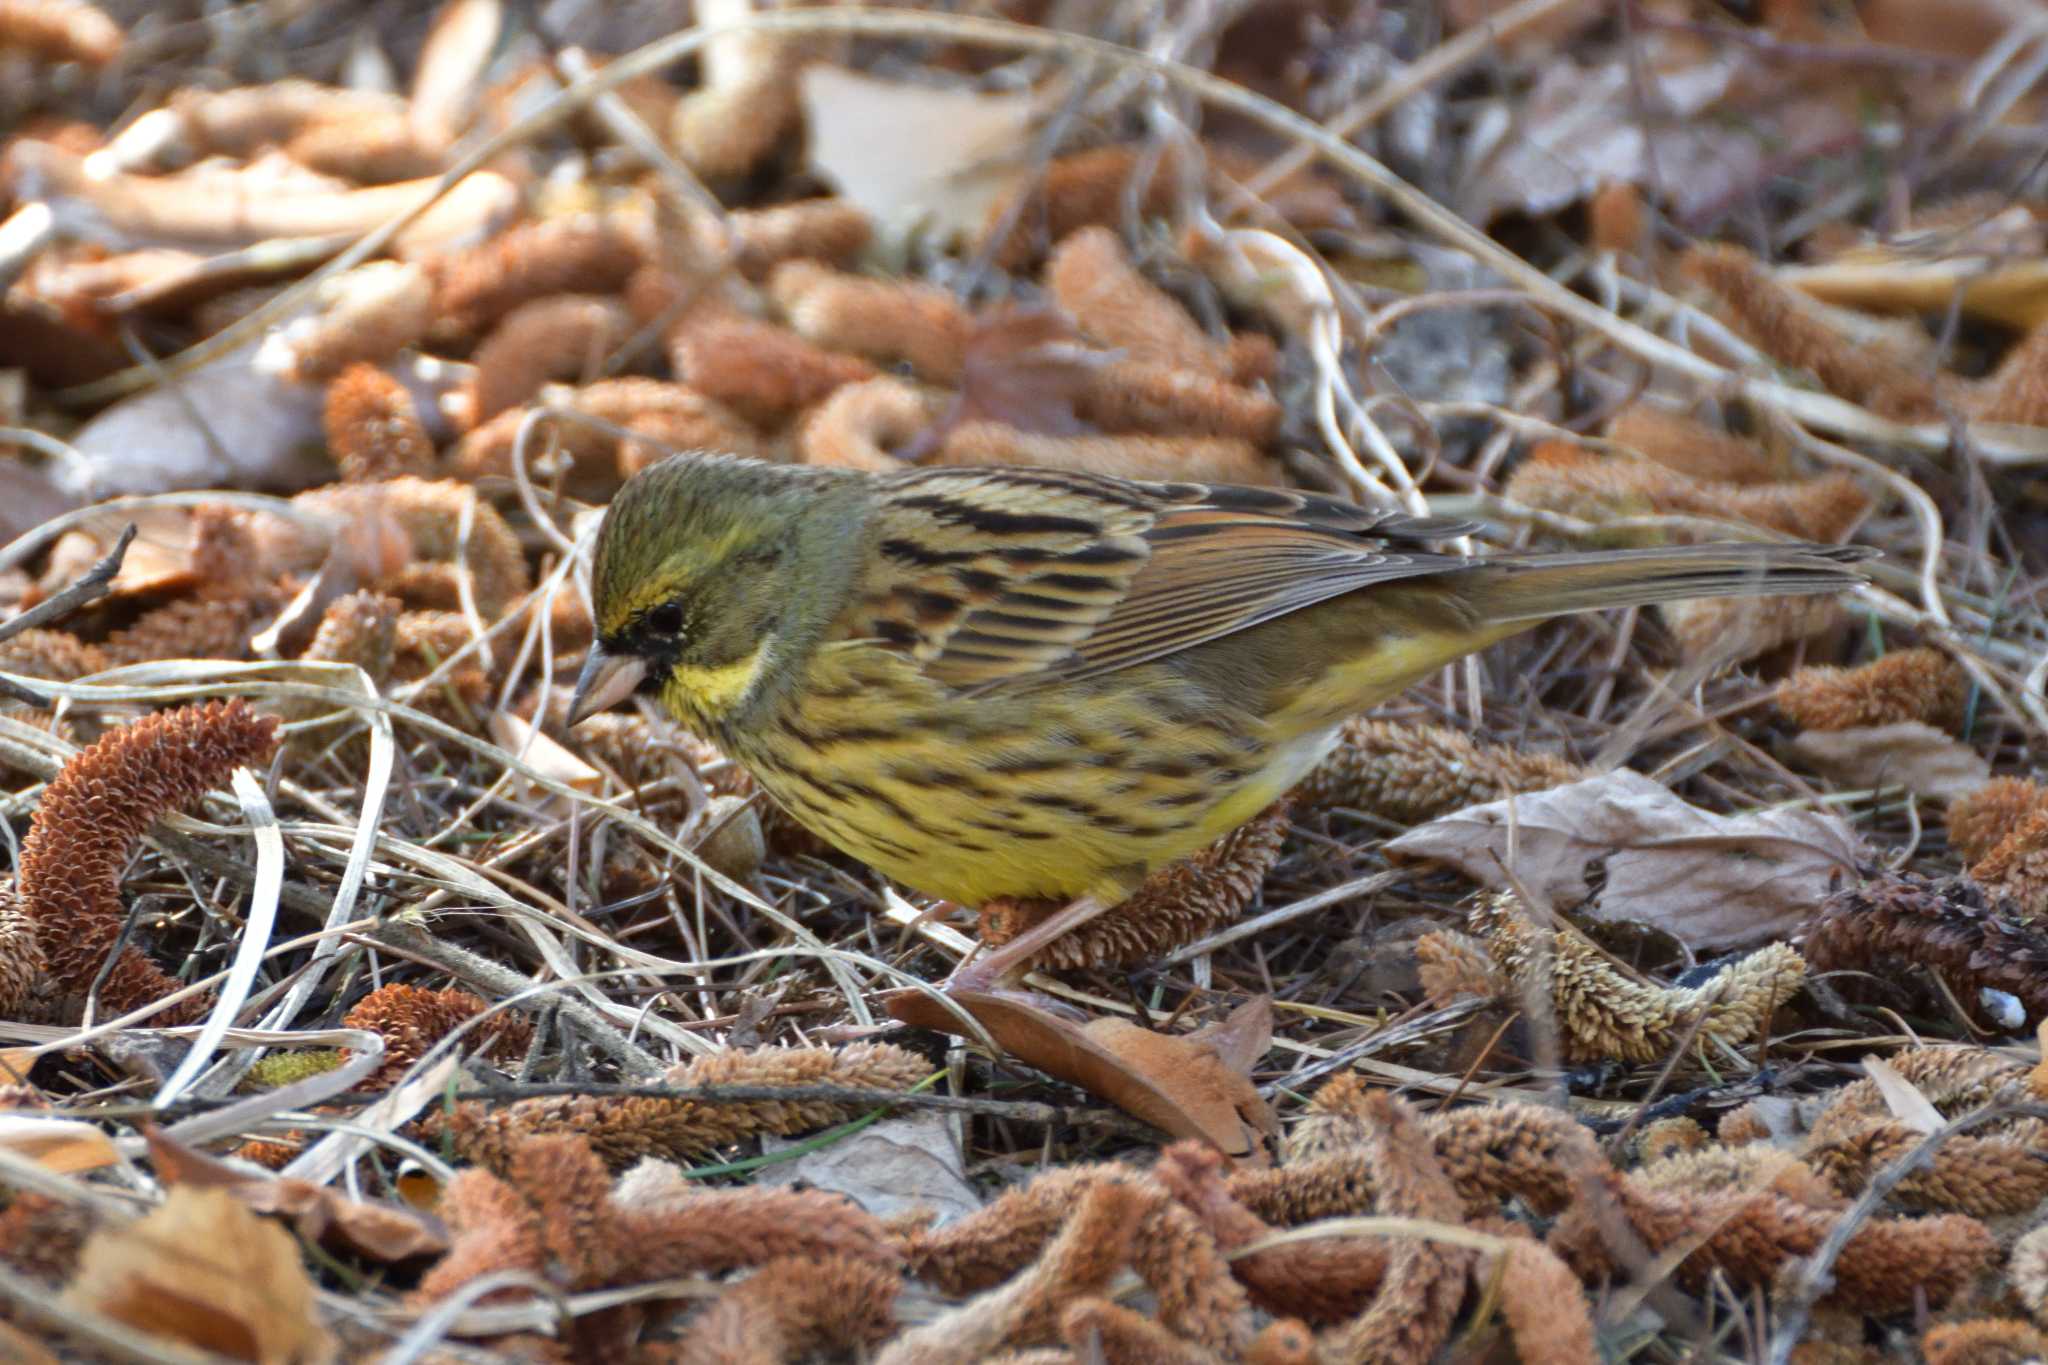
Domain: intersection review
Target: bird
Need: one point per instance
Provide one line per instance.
(1027, 683)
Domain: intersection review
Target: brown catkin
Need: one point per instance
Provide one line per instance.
(1412, 773)
(59, 31)
(1981, 820)
(1213, 459)
(561, 337)
(373, 429)
(2018, 390)
(88, 822)
(1116, 306)
(1691, 447)
(1782, 325)
(581, 254)
(885, 321)
(1922, 685)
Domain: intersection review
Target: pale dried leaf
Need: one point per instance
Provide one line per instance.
(910, 155)
(1711, 881)
(893, 1167)
(1909, 754)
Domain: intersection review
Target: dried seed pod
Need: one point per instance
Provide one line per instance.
(1175, 906)
(90, 818)
(1561, 476)
(581, 254)
(1603, 1014)
(759, 370)
(861, 426)
(885, 321)
(1786, 327)
(368, 315)
(1979, 821)
(1907, 685)
(1413, 773)
(1693, 448)
(1117, 307)
(563, 336)
(373, 430)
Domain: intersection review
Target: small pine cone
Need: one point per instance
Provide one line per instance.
(1412, 773)
(1909, 685)
(884, 321)
(561, 337)
(1693, 448)
(370, 147)
(1783, 325)
(1900, 920)
(1143, 396)
(59, 31)
(583, 254)
(1981, 820)
(212, 627)
(373, 430)
(360, 628)
(57, 655)
(366, 315)
(1603, 1015)
(412, 1019)
(90, 818)
(1454, 965)
(1735, 629)
(23, 967)
(2016, 869)
(1175, 906)
(1213, 459)
(1117, 307)
(759, 370)
(834, 231)
(2018, 390)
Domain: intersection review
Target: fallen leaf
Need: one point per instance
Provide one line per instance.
(387, 1233)
(912, 156)
(1184, 1085)
(56, 1144)
(1910, 754)
(202, 1270)
(258, 431)
(1879, 279)
(1710, 881)
(895, 1166)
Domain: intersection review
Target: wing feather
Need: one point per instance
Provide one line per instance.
(987, 576)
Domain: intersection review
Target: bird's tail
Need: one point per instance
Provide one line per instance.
(1528, 588)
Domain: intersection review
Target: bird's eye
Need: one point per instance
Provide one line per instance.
(666, 619)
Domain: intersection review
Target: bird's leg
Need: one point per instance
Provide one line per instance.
(1012, 959)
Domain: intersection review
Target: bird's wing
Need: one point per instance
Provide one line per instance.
(989, 576)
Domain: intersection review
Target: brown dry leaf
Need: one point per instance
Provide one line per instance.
(159, 560)
(1711, 881)
(386, 1233)
(912, 156)
(1909, 754)
(202, 1270)
(1188, 1086)
(56, 1144)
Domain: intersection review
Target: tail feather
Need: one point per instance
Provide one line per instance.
(1514, 588)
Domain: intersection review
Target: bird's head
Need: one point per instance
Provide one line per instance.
(706, 566)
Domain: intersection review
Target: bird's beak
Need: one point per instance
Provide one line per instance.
(606, 680)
